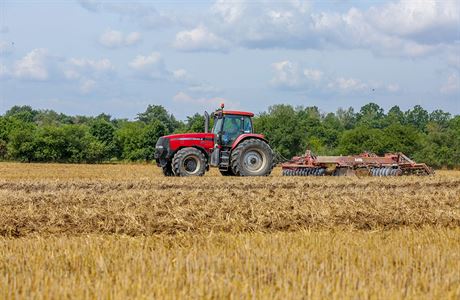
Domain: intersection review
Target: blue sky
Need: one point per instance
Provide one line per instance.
(92, 56)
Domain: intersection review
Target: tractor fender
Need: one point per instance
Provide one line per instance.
(206, 154)
(248, 136)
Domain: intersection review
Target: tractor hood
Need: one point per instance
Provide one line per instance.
(190, 137)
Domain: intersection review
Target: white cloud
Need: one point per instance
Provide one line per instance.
(71, 74)
(142, 62)
(102, 65)
(180, 74)
(402, 28)
(393, 88)
(32, 66)
(183, 97)
(117, 39)
(203, 88)
(4, 72)
(87, 72)
(199, 39)
(4, 29)
(204, 102)
(40, 65)
(91, 5)
(291, 75)
(428, 21)
(452, 85)
(145, 15)
(5, 48)
(87, 86)
(229, 11)
(312, 74)
(151, 66)
(453, 58)
(302, 5)
(287, 74)
(348, 84)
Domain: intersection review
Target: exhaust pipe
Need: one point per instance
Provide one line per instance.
(206, 122)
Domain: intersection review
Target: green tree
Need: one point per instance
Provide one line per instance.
(149, 138)
(158, 112)
(24, 113)
(395, 116)
(400, 138)
(51, 144)
(436, 147)
(130, 139)
(104, 132)
(21, 145)
(346, 117)
(281, 126)
(370, 115)
(362, 139)
(310, 130)
(50, 117)
(417, 117)
(440, 117)
(195, 123)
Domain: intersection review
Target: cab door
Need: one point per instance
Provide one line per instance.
(232, 128)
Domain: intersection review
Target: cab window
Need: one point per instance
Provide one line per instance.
(247, 125)
(217, 125)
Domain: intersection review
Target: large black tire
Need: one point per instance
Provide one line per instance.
(229, 172)
(189, 162)
(252, 157)
(167, 170)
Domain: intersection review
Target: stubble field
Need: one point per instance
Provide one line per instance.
(125, 231)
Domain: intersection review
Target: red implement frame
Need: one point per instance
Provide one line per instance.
(391, 164)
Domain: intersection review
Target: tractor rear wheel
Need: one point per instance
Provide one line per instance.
(189, 162)
(252, 157)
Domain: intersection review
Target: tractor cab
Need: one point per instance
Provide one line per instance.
(229, 125)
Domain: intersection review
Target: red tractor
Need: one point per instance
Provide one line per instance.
(232, 146)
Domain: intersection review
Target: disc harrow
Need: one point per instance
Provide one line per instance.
(385, 171)
(365, 164)
(304, 172)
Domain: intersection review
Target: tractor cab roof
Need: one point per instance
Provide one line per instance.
(237, 113)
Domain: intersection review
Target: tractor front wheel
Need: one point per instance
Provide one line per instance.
(189, 162)
(252, 157)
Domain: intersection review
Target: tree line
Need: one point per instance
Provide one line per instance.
(30, 135)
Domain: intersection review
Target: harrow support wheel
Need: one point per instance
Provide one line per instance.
(189, 162)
